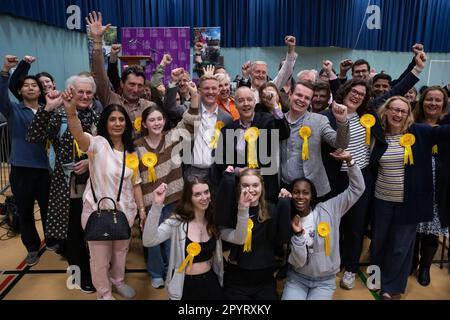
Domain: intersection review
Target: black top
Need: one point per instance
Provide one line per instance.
(265, 236)
(207, 251)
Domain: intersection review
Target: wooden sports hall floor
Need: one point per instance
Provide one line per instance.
(47, 280)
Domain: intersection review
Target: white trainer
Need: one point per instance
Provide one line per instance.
(348, 280)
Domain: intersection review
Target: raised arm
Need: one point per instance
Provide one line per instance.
(339, 138)
(41, 127)
(5, 103)
(154, 234)
(299, 253)
(238, 235)
(106, 96)
(73, 122)
(22, 70)
(113, 68)
(288, 66)
(170, 107)
(340, 204)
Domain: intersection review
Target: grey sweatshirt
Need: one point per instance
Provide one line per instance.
(176, 230)
(315, 264)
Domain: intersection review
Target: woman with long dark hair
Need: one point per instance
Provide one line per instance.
(160, 164)
(196, 262)
(106, 153)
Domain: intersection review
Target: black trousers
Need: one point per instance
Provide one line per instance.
(353, 225)
(76, 249)
(29, 185)
(242, 284)
(392, 246)
(202, 287)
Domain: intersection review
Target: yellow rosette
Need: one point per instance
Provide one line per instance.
(149, 159)
(367, 121)
(193, 249)
(132, 162)
(215, 139)
(248, 239)
(76, 149)
(435, 149)
(137, 124)
(406, 141)
(305, 133)
(251, 135)
(323, 229)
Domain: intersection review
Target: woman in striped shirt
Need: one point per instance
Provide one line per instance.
(354, 94)
(403, 191)
(167, 169)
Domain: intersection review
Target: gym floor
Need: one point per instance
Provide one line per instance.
(47, 280)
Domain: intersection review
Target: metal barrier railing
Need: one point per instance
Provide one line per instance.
(5, 150)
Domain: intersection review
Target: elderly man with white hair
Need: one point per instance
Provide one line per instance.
(257, 71)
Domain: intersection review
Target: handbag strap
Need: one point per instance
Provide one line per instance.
(121, 181)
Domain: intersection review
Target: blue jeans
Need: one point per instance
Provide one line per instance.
(158, 256)
(299, 287)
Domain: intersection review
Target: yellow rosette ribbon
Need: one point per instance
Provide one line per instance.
(248, 238)
(251, 135)
(132, 162)
(193, 249)
(406, 141)
(215, 139)
(76, 149)
(434, 150)
(323, 229)
(367, 121)
(149, 159)
(137, 124)
(305, 133)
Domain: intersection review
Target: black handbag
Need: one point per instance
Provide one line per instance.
(108, 224)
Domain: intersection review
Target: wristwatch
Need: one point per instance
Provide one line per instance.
(298, 234)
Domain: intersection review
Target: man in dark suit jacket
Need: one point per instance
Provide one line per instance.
(233, 148)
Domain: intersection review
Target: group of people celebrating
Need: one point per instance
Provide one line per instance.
(187, 162)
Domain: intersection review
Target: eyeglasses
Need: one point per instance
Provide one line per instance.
(357, 93)
(81, 93)
(399, 111)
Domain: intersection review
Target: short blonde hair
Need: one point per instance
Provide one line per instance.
(206, 77)
(382, 114)
(221, 77)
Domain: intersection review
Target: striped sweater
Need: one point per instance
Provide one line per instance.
(168, 168)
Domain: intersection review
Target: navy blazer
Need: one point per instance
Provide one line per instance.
(418, 184)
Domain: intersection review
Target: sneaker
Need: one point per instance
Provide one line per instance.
(125, 291)
(32, 258)
(348, 280)
(390, 296)
(87, 288)
(54, 248)
(103, 298)
(157, 283)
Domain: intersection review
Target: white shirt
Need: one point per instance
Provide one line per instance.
(202, 151)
